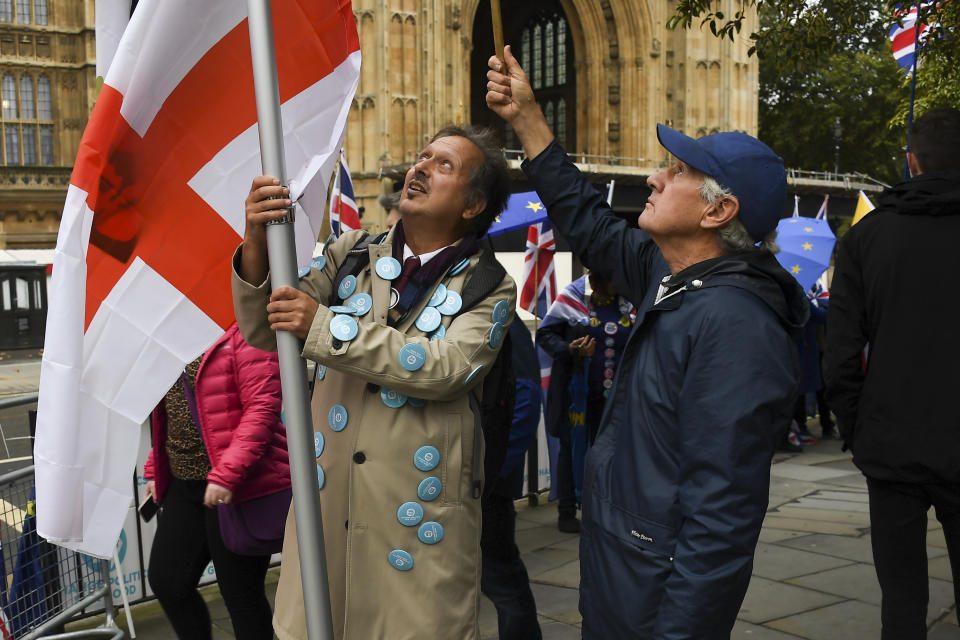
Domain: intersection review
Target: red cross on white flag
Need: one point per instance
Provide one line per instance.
(154, 211)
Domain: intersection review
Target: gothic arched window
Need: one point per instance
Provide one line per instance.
(540, 35)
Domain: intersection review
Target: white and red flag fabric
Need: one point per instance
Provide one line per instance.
(539, 286)
(154, 211)
(344, 215)
(904, 37)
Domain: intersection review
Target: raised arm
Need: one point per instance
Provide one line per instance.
(603, 241)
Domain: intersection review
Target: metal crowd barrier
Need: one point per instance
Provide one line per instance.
(44, 585)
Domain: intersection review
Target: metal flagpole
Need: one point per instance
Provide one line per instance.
(533, 462)
(913, 86)
(283, 271)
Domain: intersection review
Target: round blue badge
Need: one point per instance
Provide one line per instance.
(400, 560)
(361, 303)
(343, 327)
(430, 532)
(302, 272)
(393, 399)
(412, 356)
(319, 262)
(416, 402)
(340, 308)
(473, 374)
(438, 296)
(496, 335)
(429, 489)
(501, 311)
(452, 304)
(337, 418)
(438, 334)
(426, 458)
(321, 477)
(460, 266)
(428, 320)
(347, 286)
(321, 372)
(410, 514)
(318, 443)
(388, 268)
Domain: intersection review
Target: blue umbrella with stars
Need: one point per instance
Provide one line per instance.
(522, 210)
(806, 245)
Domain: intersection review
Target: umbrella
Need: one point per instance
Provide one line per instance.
(522, 210)
(806, 245)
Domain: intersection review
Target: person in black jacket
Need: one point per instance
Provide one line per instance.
(892, 296)
(677, 482)
(504, 577)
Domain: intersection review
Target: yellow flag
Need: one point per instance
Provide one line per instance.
(864, 206)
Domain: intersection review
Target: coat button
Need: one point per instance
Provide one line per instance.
(359, 457)
(337, 343)
(373, 388)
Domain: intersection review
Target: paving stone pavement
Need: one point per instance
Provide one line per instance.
(813, 572)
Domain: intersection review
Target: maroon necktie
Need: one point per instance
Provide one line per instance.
(410, 265)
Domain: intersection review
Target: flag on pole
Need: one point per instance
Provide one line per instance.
(539, 280)
(152, 217)
(344, 215)
(904, 38)
(822, 211)
(864, 206)
(110, 19)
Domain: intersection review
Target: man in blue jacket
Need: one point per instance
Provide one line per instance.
(676, 484)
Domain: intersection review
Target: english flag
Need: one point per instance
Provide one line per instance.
(344, 215)
(904, 38)
(141, 278)
(539, 287)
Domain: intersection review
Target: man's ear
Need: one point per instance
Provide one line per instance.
(475, 209)
(913, 163)
(721, 214)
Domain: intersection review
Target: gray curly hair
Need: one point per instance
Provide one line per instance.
(733, 235)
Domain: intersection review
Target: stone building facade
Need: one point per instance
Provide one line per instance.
(611, 67)
(48, 84)
(607, 71)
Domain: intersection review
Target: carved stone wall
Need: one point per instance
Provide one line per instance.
(631, 72)
(63, 52)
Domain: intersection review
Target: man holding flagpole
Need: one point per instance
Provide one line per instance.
(676, 484)
(400, 357)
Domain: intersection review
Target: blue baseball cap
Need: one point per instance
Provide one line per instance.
(749, 169)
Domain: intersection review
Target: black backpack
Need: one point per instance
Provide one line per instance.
(495, 410)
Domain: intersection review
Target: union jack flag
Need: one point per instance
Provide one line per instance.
(539, 279)
(904, 39)
(343, 207)
(569, 307)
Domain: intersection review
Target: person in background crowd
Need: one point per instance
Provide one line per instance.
(810, 379)
(584, 332)
(892, 295)
(677, 482)
(504, 579)
(391, 204)
(237, 452)
(399, 353)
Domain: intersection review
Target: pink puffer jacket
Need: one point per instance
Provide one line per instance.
(238, 402)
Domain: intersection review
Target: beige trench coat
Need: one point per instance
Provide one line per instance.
(370, 599)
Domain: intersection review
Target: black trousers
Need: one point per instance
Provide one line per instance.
(503, 577)
(898, 527)
(188, 537)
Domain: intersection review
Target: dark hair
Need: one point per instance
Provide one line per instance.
(389, 200)
(935, 138)
(489, 181)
